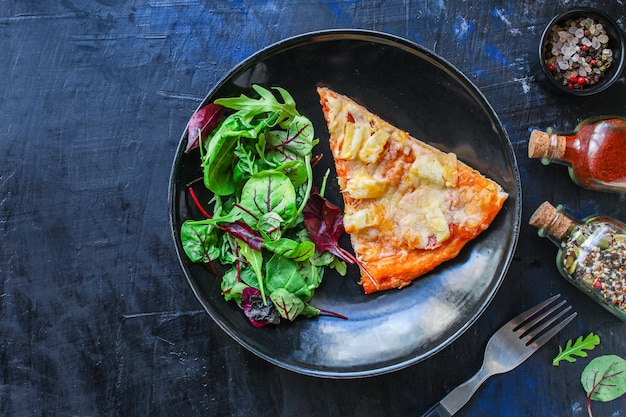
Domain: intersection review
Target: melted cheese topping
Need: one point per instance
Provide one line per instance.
(408, 178)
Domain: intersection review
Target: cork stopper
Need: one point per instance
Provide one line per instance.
(553, 221)
(545, 145)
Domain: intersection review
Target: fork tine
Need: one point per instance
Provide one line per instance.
(552, 332)
(534, 332)
(523, 317)
(530, 326)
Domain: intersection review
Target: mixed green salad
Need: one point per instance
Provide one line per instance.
(273, 231)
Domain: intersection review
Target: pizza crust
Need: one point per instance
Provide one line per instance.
(408, 206)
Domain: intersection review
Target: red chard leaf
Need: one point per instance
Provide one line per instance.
(256, 311)
(244, 232)
(205, 121)
(324, 222)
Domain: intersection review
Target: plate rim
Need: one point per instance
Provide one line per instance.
(408, 46)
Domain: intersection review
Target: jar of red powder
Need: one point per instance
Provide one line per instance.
(595, 153)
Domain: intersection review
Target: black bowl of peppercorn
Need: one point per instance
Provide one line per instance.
(582, 51)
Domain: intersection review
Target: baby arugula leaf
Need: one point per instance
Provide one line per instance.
(266, 103)
(577, 348)
(604, 379)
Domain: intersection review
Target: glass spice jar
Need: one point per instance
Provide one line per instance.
(595, 153)
(591, 256)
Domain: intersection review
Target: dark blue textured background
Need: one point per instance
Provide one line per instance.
(96, 318)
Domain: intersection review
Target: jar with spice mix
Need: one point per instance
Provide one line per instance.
(591, 256)
(595, 153)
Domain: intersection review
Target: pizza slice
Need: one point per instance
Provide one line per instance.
(408, 206)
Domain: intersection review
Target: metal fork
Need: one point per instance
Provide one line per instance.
(511, 345)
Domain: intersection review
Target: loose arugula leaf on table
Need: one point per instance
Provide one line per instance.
(604, 379)
(576, 348)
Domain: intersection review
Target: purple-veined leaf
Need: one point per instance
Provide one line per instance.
(204, 121)
(324, 222)
(244, 232)
(294, 143)
(265, 192)
(199, 241)
(259, 313)
(604, 379)
(289, 306)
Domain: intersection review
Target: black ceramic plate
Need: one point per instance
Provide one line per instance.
(424, 95)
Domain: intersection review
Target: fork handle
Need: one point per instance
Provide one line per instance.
(459, 396)
(437, 411)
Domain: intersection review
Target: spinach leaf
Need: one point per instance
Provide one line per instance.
(289, 306)
(312, 276)
(199, 241)
(219, 159)
(282, 273)
(265, 192)
(604, 379)
(294, 143)
(298, 251)
(296, 171)
(249, 277)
